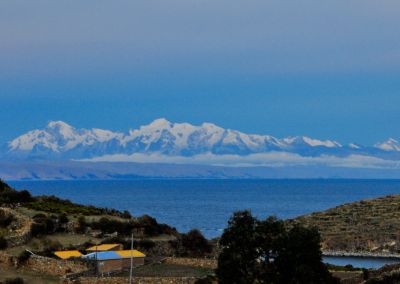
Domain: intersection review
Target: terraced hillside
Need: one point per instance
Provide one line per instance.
(364, 226)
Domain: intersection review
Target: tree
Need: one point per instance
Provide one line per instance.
(237, 260)
(299, 258)
(267, 252)
(269, 234)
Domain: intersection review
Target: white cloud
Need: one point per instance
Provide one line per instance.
(272, 159)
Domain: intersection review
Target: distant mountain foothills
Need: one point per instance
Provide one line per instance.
(61, 141)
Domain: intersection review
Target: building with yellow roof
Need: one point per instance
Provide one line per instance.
(112, 261)
(105, 247)
(66, 254)
(129, 253)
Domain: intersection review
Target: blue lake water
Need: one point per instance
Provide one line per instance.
(208, 204)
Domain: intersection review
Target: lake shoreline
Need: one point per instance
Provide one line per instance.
(360, 254)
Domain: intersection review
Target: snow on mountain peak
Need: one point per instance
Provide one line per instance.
(58, 137)
(61, 128)
(390, 145)
(354, 146)
(159, 123)
(60, 140)
(58, 124)
(304, 140)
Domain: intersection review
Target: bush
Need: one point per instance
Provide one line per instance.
(62, 218)
(82, 224)
(42, 225)
(23, 257)
(126, 215)
(55, 205)
(49, 247)
(5, 219)
(10, 196)
(151, 227)
(195, 244)
(3, 243)
(207, 280)
(17, 280)
(144, 244)
(106, 225)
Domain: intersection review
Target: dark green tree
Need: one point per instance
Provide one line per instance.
(268, 252)
(299, 258)
(269, 234)
(238, 258)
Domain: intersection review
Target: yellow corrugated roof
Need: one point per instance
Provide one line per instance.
(67, 254)
(103, 247)
(129, 253)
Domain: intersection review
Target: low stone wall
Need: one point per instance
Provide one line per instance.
(45, 265)
(196, 262)
(138, 280)
(54, 267)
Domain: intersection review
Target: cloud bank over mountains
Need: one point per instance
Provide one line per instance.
(163, 141)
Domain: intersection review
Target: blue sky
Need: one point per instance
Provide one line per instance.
(327, 69)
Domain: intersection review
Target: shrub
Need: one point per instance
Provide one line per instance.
(17, 280)
(152, 228)
(126, 215)
(42, 225)
(107, 225)
(5, 219)
(144, 244)
(195, 244)
(23, 257)
(55, 205)
(62, 218)
(3, 185)
(206, 280)
(9, 196)
(38, 229)
(3, 243)
(50, 246)
(82, 224)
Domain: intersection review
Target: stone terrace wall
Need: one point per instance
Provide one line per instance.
(55, 267)
(138, 280)
(45, 265)
(196, 262)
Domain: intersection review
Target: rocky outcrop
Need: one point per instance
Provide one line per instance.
(19, 229)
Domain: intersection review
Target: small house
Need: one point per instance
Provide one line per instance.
(112, 261)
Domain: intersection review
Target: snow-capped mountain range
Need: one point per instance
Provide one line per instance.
(58, 140)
